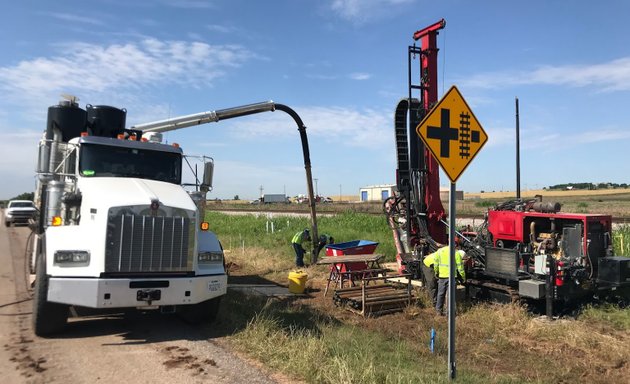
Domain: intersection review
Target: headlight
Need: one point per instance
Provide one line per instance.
(210, 258)
(72, 258)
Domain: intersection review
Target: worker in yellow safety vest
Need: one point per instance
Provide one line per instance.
(441, 265)
(298, 242)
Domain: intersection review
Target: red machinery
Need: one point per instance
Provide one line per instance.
(524, 249)
(415, 214)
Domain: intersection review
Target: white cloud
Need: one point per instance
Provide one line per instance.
(19, 155)
(499, 136)
(549, 139)
(353, 76)
(355, 127)
(360, 76)
(273, 179)
(362, 11)
(321, 77)
(89, 69)
(189, 4)
(610, 76)
(221, 28)
(74, 18)
(603, 134)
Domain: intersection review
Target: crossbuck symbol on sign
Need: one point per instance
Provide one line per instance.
(445, 134)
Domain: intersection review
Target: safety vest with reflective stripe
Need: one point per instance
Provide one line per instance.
(299, 237)
(442, 265)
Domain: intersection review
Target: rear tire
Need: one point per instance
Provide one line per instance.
(7, 223)
(204, 312)
(48, 318)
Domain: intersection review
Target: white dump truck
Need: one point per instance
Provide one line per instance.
(116, 227)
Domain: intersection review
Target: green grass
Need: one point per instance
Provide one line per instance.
(316, 348)
(255, 230)
(485, 203)
(621, 240)
(608, 315)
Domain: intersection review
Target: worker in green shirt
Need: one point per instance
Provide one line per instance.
(324, 240)
(441, 265)
(298, 246)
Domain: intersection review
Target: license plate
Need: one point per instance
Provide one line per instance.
(214, 286)
(148, 295)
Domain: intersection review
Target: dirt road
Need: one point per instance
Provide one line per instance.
(138, 348)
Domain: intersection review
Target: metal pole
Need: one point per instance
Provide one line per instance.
(451, 285)
(518, 155)
(549, 287)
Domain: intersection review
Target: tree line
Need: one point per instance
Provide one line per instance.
(587, 186)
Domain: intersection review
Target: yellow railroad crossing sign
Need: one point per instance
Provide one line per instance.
(452, 133)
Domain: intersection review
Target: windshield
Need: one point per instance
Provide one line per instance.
(112, 161)
(21, 204)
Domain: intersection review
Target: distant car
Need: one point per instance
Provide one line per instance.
(327, 200)
(19, 212)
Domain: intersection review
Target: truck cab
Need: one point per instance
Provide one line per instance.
(117, 229)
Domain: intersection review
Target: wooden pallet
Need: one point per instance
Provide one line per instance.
(375, 299)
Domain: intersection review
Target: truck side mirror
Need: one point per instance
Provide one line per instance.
(208, 171)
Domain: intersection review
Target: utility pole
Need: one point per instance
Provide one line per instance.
(339, 192)
(518, 154)
(261, 191)
(316, 190)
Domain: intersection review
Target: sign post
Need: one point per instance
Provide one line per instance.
(454, 136)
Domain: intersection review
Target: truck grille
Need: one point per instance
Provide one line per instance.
(140, 243)
(23, 214)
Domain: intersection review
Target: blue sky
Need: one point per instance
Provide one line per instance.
(342, 65)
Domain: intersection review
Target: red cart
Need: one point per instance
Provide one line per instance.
(355, 247)
(351, 260)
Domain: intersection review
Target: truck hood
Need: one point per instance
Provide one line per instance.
(21, 209)
(106, 192)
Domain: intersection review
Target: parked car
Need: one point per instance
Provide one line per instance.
(19, 211)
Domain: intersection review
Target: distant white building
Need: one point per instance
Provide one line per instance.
(377, 192)
(383, 191)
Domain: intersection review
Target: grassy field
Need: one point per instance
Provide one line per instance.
(614, 202)
(311, 340)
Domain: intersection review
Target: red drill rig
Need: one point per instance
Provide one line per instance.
(525, 249)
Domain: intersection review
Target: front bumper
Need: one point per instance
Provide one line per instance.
(15, 219)
(137, 292)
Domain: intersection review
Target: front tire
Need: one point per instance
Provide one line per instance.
(48, 318)
(204, 312)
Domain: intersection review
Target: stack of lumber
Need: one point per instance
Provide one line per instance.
(369, 300)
